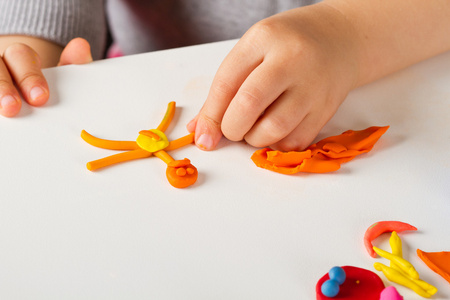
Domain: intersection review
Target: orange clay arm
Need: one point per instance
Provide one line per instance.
(181, 142)
(170, 112)
(117, 158)
(108, 144)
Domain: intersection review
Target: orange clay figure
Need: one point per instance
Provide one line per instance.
(180, 173)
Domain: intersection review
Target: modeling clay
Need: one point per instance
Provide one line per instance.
(390, 293)
(396, 247)
(337, 274)
(359, 284)
(379, 228)
(402, 271)
(330, 287)
(180, 173)
(402, 263)
(152, 140)
(439, 262)
(396, 244)
(395, 276)
(325, 156)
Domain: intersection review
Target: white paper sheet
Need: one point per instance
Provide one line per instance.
(240, 232)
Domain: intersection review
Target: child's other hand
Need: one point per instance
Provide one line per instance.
(282, 82)
(20, 70)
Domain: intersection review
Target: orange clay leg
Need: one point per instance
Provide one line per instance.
(164, 156)
(117, 158)
(108, 144)
(180, 173)
(170, 112)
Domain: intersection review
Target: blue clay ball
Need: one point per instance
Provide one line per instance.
(330, 288)
(337, 274)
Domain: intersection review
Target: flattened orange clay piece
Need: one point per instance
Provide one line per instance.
(439, 262)
(324, 156)
(180, 173)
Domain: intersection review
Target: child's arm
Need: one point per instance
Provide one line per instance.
(21, 63)
(392, 35)
(289, 73)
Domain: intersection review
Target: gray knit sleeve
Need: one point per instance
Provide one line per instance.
(58, 21)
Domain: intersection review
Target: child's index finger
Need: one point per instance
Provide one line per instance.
(233, 71)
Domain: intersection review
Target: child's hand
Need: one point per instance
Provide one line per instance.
(282, 82)
(20, 67)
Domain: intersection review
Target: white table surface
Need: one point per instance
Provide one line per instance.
(240, 232)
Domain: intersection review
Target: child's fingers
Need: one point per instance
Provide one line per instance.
(235, 68)
(24, 66)
(260, 89)
(304, 134)
(280, 119)
(10, 102)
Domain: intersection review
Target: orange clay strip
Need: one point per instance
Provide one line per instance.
(117, 158)
(108, 144)
(170, 112)
(164, 156)
(181, 142)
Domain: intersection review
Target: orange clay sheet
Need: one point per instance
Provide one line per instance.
(324, 156)
(439, 262)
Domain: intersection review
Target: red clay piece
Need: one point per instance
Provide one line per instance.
(359, 284)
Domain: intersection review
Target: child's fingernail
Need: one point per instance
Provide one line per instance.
(8, 101)
(36, 93)
(205, 142)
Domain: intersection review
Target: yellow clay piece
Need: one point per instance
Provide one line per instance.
(396, 244)
(397, 277)
(402, 263)
(400, 270)
(152, 140)
(396, 247)
(423, 284)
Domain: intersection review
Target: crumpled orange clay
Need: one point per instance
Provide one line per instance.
(324, 156)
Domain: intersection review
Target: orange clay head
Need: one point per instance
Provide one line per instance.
(181, 173)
